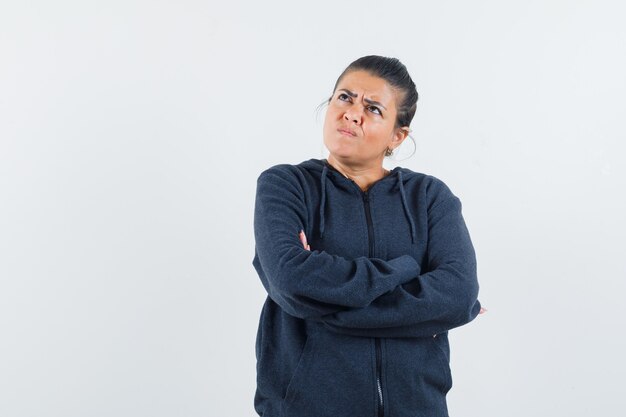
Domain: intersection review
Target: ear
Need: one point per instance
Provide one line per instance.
(399, 136)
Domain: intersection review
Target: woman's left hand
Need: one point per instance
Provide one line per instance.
(303, 240)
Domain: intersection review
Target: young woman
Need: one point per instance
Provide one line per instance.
(366, 269)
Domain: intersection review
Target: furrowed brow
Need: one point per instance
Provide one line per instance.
(350, 93)
(367, 100)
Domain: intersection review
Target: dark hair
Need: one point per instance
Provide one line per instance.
(395, 73)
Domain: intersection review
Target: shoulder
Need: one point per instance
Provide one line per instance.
(303, 174)
(430, 189)
(278, 171)
(280, 179)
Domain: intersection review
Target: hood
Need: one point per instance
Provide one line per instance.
(326, 169)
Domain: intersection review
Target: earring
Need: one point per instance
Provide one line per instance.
(388, 152)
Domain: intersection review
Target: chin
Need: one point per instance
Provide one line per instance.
(343, 155)
(339, 150)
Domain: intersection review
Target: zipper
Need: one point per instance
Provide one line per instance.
(370, 235)
(381, 411)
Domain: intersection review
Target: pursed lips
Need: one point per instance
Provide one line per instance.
(346, 132)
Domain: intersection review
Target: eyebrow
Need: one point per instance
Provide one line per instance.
(367, 100)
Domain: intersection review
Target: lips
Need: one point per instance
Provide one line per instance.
(346, 132)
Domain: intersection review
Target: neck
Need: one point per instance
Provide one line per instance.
(363, 176)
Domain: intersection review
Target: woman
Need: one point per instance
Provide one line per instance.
(366, 269)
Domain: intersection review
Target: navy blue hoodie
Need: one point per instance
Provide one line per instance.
(358, 326)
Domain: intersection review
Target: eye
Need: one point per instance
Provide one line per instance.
(375, 109)
(343, 96)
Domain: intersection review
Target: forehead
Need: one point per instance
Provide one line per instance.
(368, 85)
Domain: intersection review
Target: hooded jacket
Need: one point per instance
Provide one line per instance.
(357, 326)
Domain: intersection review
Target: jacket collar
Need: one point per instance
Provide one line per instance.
(395, 173)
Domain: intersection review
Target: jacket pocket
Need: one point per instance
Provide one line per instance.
(418, 376)
(293, 385)
(442, 349)
(334, 377)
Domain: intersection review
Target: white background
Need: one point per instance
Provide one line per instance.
(131, 137)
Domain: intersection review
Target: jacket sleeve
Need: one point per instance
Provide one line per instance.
(311, 284)
(443, 298)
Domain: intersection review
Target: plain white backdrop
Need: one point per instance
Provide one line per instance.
(131, 137)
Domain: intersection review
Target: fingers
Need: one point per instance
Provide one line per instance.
(303, 240)
(482, 310)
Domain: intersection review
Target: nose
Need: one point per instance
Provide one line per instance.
(353, 115)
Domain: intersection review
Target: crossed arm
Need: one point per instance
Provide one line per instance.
(363, 296)
(391, 315)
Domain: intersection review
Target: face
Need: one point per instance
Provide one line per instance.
(360, 120)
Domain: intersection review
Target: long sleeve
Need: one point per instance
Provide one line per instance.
(311, 284)
(443, 298)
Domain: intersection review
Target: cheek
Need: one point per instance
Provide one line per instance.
(378, 132)
(327, 120)
(332, 115)
(334, 111)
(329, 124)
